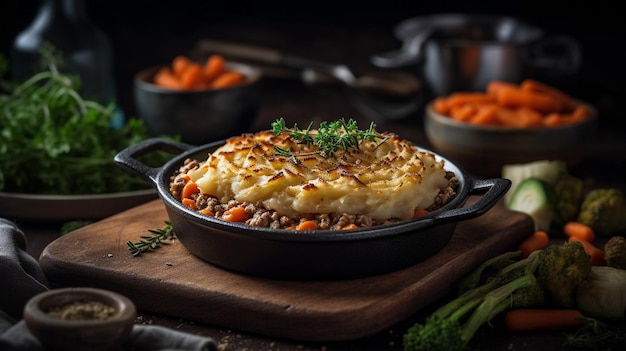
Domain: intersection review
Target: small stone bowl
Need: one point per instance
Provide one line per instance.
(198, 116)
(80, 319)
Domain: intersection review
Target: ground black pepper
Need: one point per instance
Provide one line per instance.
(82, 310)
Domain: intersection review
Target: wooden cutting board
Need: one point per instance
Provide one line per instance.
(172, 282)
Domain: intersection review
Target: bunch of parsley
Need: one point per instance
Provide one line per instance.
(53, 141)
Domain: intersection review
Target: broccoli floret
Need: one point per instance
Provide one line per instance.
(604, 210)
(552, 274)
(436, 334)
(562, 269)
(570, 192)
(615, 252)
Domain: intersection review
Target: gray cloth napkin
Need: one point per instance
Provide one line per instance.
(22, 278)
(142, 338)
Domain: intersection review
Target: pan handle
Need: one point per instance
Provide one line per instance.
(127, 158)
(492, 190)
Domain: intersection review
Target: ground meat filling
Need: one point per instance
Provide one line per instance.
(259, 216)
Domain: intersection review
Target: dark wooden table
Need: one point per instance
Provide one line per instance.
(604, 167)
(288, 97)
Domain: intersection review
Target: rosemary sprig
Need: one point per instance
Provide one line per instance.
(330, 136)
(150, 242)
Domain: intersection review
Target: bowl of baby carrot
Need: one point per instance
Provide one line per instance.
(198, 101)
(510, 123)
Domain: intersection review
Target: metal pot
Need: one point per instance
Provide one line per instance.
(463, 52)
(307, 255)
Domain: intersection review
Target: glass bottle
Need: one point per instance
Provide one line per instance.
(85, 48)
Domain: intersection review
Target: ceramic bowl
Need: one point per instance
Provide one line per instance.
(483, 150)
(198, 116)
(97, 330)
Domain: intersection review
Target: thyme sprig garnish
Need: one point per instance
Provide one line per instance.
(164, 235)
(330, 136)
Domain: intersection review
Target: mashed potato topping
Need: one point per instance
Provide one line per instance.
(381, 180)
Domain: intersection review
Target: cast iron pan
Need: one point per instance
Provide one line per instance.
(307, 255)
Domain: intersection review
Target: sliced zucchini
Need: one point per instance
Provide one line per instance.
(545, 170)
(536, 198)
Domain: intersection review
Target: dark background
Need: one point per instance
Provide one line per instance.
(150, 32)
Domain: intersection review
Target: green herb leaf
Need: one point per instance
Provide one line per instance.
(52, 141)
(164, 235)
(330, 137)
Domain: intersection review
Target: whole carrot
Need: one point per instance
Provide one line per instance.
(462, 98)
(166, 79)
(213, 67)
(579, 230)
(542, 319)
(180, 64)
(554, 119)
(539, 240)
(535, 86)
(529, 118)
(508, 117)
(485, 115)
(227, 79)
(516, 97)
(191, 77)
(463, 113)
(495, 86)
